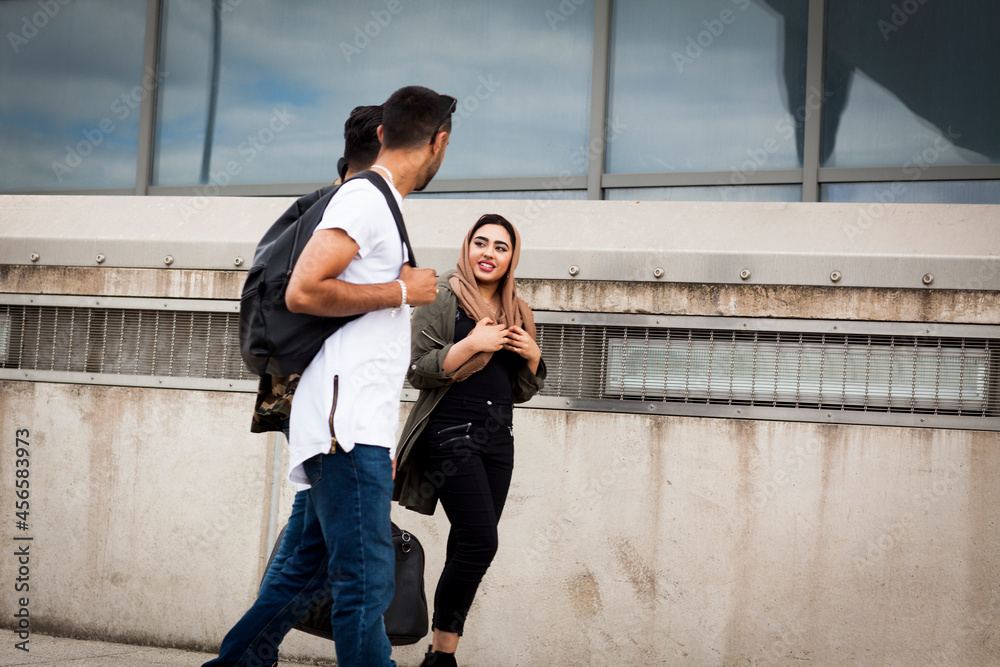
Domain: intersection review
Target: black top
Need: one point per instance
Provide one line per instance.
(491, 383)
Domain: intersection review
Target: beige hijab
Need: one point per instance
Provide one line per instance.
(513, 310)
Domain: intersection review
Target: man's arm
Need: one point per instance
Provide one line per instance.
(315, 289)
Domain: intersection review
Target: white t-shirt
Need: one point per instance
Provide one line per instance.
(355, 380)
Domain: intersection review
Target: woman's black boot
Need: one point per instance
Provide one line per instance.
(438, 659)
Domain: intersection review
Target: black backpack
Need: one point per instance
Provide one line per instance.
(274, 340)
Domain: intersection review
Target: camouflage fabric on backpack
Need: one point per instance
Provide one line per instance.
(274, 403)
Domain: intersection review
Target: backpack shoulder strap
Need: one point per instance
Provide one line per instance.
(304, 205)
(380, 183)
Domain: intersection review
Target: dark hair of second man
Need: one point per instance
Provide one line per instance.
(361, 144)
(410, 115)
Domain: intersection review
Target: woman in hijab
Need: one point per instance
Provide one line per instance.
(473, 356)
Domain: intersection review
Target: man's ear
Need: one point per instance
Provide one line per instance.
(378, 131)
(439, 143)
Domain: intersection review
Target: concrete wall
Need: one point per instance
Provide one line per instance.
(627, 539)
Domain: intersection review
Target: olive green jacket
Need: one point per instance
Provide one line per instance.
(433, 333)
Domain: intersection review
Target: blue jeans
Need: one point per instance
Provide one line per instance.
(291, 539)
(346, 543)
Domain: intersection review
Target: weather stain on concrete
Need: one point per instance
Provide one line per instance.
(584, 594)
(637, 570)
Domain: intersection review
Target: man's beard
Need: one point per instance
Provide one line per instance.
(428, 175)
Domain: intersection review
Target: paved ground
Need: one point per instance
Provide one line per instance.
(46, 650)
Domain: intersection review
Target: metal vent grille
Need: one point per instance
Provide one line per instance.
(886, 373)
(120, 341)
(855, 372)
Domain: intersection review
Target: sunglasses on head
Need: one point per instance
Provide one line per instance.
(452, 105)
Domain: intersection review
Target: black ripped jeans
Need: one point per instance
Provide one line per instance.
(470, 457)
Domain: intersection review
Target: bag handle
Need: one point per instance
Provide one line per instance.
(380, 183)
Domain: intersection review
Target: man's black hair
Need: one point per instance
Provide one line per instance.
(361, 144)
(410, 115)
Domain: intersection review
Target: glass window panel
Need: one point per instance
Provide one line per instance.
(71, 84)
(706, 85)
(922, 192)
(708, 193)
(903, 76)
(290, 73)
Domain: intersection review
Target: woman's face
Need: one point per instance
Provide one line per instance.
(490, 253)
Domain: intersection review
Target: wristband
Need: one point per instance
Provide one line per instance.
(402, 299)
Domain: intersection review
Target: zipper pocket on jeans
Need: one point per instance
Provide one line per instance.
(461, 428)
(333, 409)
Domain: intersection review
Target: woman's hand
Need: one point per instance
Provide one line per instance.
(487, 336)
(519, 341)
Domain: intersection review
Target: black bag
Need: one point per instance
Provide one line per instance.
(274, 340)
(406, 618)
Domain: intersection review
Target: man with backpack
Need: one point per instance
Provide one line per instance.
(346, 408)
(274, 397)
(269, 273)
